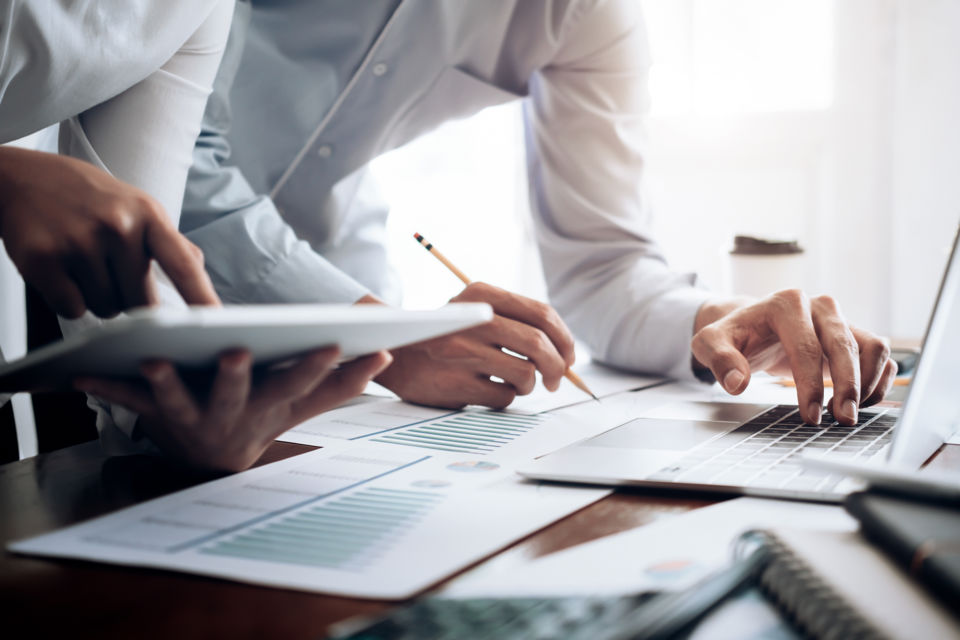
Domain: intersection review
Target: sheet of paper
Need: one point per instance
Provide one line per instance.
(603, 381)
(359, 421)
(506, 434)
(360, 520)
(668, 554)
(748, 615)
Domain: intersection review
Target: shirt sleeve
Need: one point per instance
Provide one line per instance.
(251, 253)
(61, 57)
(585, 152)
(145, 136)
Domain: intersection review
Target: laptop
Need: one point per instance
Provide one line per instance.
(755, 449)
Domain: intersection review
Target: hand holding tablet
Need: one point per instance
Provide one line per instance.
(239, 403)
(195, 337)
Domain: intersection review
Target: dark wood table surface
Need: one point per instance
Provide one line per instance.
(45, 598)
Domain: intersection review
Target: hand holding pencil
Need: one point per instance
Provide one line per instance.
(488, 365)
(568, 374)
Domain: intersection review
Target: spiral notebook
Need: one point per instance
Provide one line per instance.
(835, 585)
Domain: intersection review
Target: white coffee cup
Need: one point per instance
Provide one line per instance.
(759, 267)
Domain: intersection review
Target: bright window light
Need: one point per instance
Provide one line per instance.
(714, 57)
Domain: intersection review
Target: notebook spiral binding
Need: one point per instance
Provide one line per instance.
(801, 595)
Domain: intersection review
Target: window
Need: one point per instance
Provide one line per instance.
(716, 57)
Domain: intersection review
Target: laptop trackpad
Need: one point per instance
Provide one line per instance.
(653, 433)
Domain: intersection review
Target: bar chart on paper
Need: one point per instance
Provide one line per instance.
(367, 520)
(307, 492)
(477, 432)
(347, 533)
(471, 431)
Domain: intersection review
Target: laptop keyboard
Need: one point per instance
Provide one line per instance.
(763, 452)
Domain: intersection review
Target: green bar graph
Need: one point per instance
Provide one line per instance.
(475, 432)
(347, 532)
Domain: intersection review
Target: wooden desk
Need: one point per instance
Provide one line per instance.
(46, 598)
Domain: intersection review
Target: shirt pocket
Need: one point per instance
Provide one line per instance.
(454, 94)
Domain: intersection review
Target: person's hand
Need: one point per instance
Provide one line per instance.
(455, 370)
(85, 239)
(238, 419)
(788, 333)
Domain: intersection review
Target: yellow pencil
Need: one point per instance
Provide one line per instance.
(788, 382)
(569, 375)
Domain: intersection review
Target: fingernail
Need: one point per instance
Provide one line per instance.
(850, 410)
(733, 380)
(814, 411)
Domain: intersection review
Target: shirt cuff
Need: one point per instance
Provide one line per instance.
(304, 277)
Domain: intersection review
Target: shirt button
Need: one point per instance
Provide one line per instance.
(325, 151)
(379, 69)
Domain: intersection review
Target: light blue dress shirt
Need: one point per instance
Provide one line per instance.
(311, 91)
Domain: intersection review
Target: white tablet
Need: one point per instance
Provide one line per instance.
(192, 338)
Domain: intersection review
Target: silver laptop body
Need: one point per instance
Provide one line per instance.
(754, 449)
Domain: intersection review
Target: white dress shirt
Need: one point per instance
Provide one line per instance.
(129, 80)
(311, 90)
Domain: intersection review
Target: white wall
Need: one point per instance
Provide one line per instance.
(926, 156)
(853, 243)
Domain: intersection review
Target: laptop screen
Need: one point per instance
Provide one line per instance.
(931, 412)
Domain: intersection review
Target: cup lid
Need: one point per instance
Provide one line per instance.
(751, 246)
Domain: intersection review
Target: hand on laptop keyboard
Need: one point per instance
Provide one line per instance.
(790, 334)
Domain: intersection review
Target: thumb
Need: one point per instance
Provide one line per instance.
(714, 348)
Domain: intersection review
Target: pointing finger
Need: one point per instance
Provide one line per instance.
(789, 316)
(183, 262)
(843, 357)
